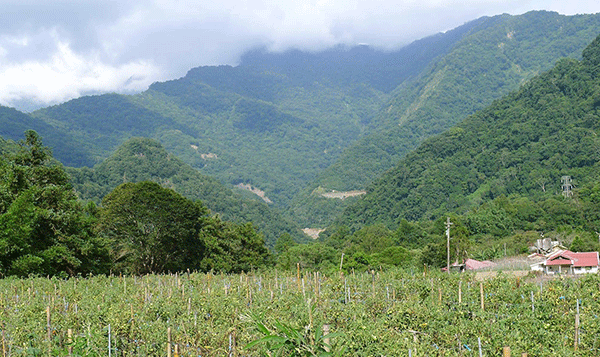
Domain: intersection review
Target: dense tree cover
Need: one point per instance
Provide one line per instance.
(274, 121)
(44, 229)
(277, 121)
(139, 228)
(500, 170)
(496, 56)
(141, 159)
(14, 123)
(154, 229)
(522, 144)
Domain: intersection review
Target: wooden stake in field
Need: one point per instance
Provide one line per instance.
(70, 341)
(460, 292)
(298, 275)
(373, 282)
(505, 351)
(3, 344)
(576, 343)
(325, 338)
(169, 342)
(49, 330)
(481, 295)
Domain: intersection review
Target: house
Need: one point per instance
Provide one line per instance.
(470, 264)
(567, 262)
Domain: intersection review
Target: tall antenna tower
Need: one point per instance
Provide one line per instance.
(567, 186)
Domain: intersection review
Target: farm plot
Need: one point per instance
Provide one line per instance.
(389, 313)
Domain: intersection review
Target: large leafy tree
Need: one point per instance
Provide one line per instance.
(154, 229)
(43, 227)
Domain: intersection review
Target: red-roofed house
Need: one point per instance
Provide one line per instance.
(470, 264)
(567, 262)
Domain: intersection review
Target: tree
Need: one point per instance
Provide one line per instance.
(155, 229)
(283, 243)
(232, 248)
(43, 227)
(152, 229)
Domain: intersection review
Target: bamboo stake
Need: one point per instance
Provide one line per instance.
(298, 275)
(373, 282)
(325, 338)
(481, 295)
(109, 347)
(169, 342)
(303, 289)
(577, 327)
(49, 330)
(70, 341)
(3, 344)
(460, 292)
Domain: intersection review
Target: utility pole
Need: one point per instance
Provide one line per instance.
(448, 224)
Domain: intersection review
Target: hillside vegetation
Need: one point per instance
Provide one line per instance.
(501, 168)
(141, 159)
(273, 122)
(140, 228)
(295, 125)
(495, 57)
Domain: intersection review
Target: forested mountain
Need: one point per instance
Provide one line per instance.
(296, 125)
(520, 146)
(495, 57)
(140, 159)
(274, 121)
(13, 124)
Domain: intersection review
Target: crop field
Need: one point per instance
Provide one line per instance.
(385, 313)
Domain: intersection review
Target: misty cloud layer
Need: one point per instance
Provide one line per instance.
(55, 50)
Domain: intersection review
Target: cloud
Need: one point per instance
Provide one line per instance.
(54, 50)
(66, 74)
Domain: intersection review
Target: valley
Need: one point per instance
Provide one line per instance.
(365, 150)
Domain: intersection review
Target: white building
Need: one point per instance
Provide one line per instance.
(567, 262)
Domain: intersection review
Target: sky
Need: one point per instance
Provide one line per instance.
(52, 51)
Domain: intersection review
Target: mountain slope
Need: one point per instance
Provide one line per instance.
(141, 159)
(523, 144)
(13, 125)
(274, 122)
(497, 56)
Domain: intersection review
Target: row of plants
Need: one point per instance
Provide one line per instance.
(301, 313)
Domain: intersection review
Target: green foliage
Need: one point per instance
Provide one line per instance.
(155, 230)
(495, 57)
(384, 313)
(233, 248)
(141, 159)
(43, 228)
(285, 340)
(152, 229)
(521, 146)
(283, 243)
(312, 256)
